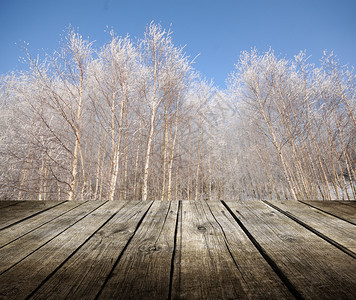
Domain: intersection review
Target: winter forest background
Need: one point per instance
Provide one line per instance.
(133, 120)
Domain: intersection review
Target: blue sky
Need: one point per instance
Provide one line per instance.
(216, 30)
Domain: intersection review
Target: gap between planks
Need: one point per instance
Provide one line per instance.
(327, 234)
(176, 255)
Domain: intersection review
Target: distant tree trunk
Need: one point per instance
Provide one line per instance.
(77, 147)
(117, 153)
(165, 155)
(171, 156)
(148, 154)
(199, 158)
(275, 140)
(136, 170)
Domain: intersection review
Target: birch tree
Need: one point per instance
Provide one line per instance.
(166, 68)
(115, 84)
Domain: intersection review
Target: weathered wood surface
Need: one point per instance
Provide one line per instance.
(338, 232)
(26, 226)
(4, 204)
(177, 250)
(216, 260)
(83, 274)
(345, 210)
(18, 212)
(314, 268)
(144, 268)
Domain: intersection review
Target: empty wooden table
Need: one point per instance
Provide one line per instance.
(177, 250)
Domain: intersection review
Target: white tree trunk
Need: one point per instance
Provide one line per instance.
(148, 155)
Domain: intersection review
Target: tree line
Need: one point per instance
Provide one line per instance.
(133, 120)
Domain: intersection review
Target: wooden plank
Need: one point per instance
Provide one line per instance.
(204, 268)
(6, 203)
(337, 231)
(21, 280)
(143, 272)
(21, 248)
(339, 209)
(24, 210)
(315, 268)
(18, 230)
(351, 203)
(261, 282)
(82, 276)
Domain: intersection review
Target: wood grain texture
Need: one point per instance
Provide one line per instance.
(175, 250)
(20, 229)
(45, 260)
(260, 281)
(25, 209)
(345, 210)
(7, 203)
(143, 272)
(204, 268)
(14, 252)
(337, 230)
(82, 276)
(351, 203)
(316, 269)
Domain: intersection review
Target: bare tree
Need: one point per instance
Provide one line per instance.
(166, 68)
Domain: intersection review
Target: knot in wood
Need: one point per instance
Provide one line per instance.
(201, 228)
(288, 238)
(153, 248)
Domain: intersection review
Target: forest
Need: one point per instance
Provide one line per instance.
(133, 120)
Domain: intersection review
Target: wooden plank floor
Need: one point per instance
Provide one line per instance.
(177, 250)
